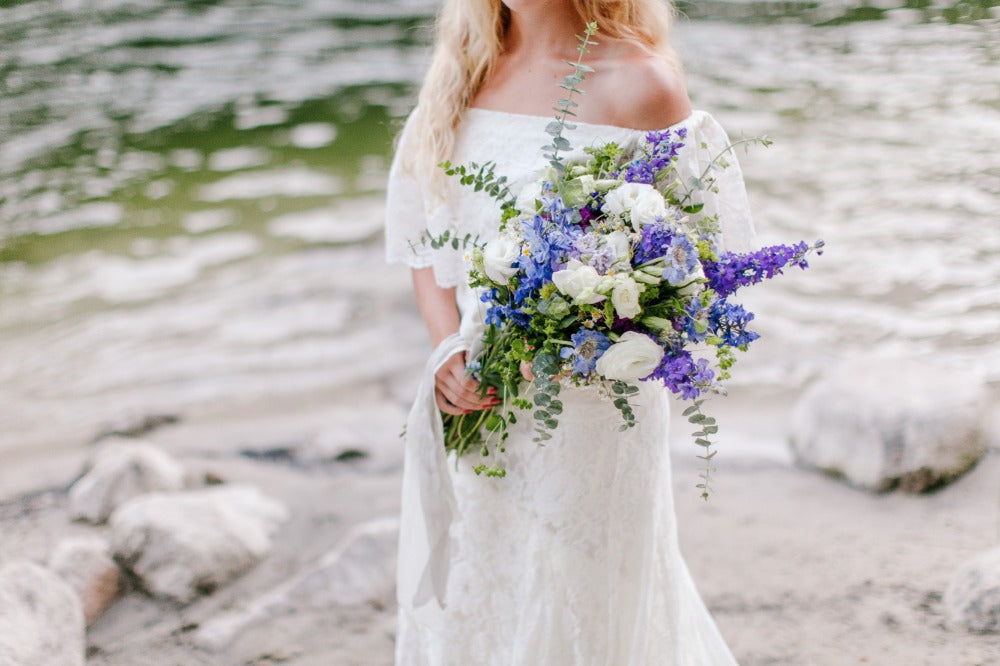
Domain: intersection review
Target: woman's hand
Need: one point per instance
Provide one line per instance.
(456, 392)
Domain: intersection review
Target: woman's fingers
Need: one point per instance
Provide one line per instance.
(454, 391)
(460, 390)
(445, 406)
(526, 371)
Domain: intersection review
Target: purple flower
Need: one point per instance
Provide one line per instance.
(734, 271)
(588, 346)
(653, 244)
(659, 152)
(680, 373)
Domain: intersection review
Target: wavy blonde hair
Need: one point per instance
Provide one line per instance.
(469, 39)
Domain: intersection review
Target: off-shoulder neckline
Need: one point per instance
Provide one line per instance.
(536, 118)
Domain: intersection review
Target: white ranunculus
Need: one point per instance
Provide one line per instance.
(499, 256)
(642, 201)
(633, 357)
(526, 198)
(625, 296)
(579, 282)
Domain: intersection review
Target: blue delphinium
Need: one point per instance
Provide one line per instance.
(729, 322)
(588, 346)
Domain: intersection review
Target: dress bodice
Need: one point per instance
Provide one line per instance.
(513, 142)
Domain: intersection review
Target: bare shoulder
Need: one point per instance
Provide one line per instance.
(641, 89)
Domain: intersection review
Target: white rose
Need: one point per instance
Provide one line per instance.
(526, 198)
(579, 282)
(642, 201)
(625, 296)
(633, 357)
(499, 256)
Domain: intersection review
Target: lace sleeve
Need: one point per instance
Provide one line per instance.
(729, 199)
(405, 216)
(410, 216)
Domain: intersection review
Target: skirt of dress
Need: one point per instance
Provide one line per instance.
(572, 558)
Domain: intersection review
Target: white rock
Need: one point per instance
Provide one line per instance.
(122, 469)
(360, 569)
(972, 600)
(86, 564)
(41, 621)
(182, 544)
(882, 424)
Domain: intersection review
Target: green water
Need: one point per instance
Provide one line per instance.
(190, 191)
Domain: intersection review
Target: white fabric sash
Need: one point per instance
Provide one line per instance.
(428, 499)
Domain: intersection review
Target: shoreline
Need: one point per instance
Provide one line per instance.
(796, 567)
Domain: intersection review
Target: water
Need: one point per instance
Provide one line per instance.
(190, 193)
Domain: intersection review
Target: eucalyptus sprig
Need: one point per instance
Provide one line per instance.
(706, 428)
(571, 84)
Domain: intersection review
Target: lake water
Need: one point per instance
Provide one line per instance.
(190, 193)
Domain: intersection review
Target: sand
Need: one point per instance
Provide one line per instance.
(797, 568)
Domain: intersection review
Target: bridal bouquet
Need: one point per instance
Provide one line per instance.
(605, 272)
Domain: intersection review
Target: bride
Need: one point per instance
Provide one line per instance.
(572, 558)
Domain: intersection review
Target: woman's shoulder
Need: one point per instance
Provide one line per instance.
(638, 88)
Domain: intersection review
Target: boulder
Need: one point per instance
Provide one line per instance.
(122, 469)
(183, 544)
(360, 569)
(41, 621)
(972, 601)
(86, 564)
(886, 424)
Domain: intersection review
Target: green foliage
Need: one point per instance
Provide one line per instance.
(571, 84)
(622, 391)
(706, 428)
(482, 178)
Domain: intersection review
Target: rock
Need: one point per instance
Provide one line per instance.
(122, 469)
(886, 424)
(360, 569)
(134, 424)
(41, 621)
(368, 435)
(972, 600)
(187, 543)
(86, 564)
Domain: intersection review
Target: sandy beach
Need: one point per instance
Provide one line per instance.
(797, 568)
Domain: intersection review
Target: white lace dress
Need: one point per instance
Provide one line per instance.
(572, 558)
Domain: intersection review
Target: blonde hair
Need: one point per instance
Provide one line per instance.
(469, 39)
